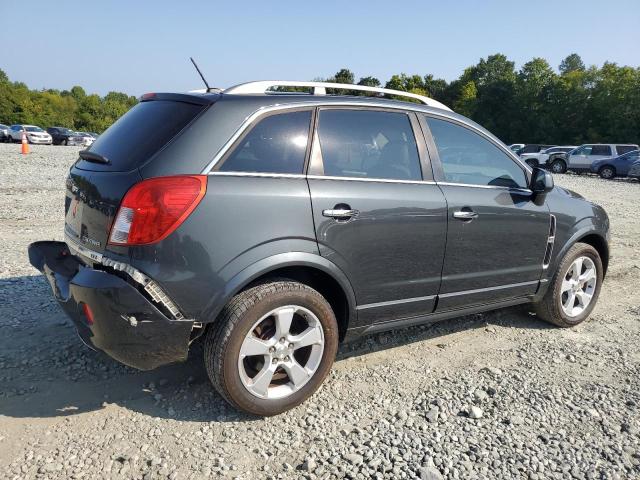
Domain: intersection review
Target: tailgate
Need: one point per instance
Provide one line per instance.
(91, 203)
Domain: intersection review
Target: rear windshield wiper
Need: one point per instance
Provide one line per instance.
(93, 157)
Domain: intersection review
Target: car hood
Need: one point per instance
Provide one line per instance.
(565, 192)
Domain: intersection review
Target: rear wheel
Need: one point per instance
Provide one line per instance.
(575, 287)
(558, 166)
(271, 347)
(607, 172)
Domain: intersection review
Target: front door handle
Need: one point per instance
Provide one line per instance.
(465, 215)
(340, 213)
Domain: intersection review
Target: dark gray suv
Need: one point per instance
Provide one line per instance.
(276, 225)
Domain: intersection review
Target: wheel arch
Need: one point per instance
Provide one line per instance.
(598, 242)
(310, 269)
(591, 236)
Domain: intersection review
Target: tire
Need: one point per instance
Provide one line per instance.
(607, 172)
(248, 314)
(550, 308)
(65, 142)
(558, 166)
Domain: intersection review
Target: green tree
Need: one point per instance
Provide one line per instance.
(369, 81)
(572, 63)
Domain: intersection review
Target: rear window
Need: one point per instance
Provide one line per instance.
(625, 148)
(140, 133)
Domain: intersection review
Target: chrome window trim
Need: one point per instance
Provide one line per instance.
(494, 187)
(257, 174)
(377, 180)
(358, 179)
(250, 119)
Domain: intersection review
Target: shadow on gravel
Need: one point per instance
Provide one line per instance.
(46, 371)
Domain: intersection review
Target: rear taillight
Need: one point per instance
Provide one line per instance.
(154, 208)
(88, 313)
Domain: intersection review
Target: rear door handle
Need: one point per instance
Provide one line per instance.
(465, 215)
(340, 213)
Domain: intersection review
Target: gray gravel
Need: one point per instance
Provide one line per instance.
(497, 395)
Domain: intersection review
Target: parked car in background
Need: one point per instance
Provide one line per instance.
(5, 136)
(540, 158)
(533, 148)
(60, 135)
(320, 218)
(617, 166)
(94, 134)
(580, 159)
(514, 147)
(85, 139)
(34, 134)
(634, 170)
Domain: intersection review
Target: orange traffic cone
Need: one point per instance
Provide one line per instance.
(25, 144)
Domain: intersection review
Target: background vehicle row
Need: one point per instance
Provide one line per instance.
(52, 135)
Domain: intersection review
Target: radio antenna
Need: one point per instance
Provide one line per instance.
(200, 73)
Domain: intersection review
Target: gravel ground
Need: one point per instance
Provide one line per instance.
(496, 395)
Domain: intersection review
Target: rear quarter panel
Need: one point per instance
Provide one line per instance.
(240, 221)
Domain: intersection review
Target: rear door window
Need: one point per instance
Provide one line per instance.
(368, 144)
(601, 150)
(469, 158)
(277, 144)
(140, 133)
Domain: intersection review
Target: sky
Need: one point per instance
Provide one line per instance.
(141, 46)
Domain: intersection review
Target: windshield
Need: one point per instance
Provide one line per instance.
(33, 129)
(66, 131)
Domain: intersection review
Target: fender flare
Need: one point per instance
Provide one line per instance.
(275, 262)
(589, 229)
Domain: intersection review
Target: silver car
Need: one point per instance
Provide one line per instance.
(582, 157)
(34, 134)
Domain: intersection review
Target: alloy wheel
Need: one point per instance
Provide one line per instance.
(281, 352)
(606, 173)
(578, 286)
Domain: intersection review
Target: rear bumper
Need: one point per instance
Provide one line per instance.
(126, 325)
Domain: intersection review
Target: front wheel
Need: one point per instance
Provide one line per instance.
(558, 166)
(575, 287)
(271, 347)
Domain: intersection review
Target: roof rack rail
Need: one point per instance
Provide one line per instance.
(320, 88)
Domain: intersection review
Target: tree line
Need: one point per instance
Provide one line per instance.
(72, 108)
(536, 104)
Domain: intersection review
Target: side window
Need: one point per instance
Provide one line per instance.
(625, 148)
(584, 150)
(468, 158)
(277, 144)
(368, 144)
(601, 150)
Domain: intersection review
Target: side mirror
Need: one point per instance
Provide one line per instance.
(541, 181)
